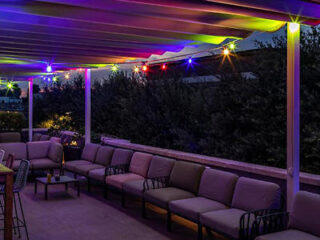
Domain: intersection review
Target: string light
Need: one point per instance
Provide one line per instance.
(55, 79)
(9, 85)
(66, 76)
(293, 27)
(164, 66)
(232, 46)
(80, 69)
(190, 60)
(145, 68)
(226, 51)
(136, 69)
(114, 68)
(49, 68)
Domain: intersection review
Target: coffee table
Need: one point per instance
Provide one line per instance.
(63, 180)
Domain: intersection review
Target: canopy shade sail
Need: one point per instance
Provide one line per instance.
(69, 33)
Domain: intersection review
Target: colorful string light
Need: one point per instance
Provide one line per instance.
(49, 68)
(145, 68)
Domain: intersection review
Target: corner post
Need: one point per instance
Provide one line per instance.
(87, 106)
(30, 109)
(293, 112)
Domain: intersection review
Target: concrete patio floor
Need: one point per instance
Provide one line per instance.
(65, 216)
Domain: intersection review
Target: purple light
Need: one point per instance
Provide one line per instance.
(49, 68)
(190, 60)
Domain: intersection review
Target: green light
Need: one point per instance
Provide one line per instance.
(9, 85)
(55, 79)
(114, 68)
(232, 46)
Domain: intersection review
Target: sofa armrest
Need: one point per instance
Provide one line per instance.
(269, 223)
(116, 169)
(155, 183)
(248, 219)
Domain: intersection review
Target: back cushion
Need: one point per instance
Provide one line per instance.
(305, 212)
(121, 156)
(19, 150)
(160, 167)
(44, 138)
(36, 137)
(217, 185)
(140, 163)
(186, 175)
(252, 194)
(55, 152)
(104, 155)
(38, 150)
(10, 137)
(89, 152)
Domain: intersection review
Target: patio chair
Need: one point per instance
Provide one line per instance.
(45, 155)
(215, 193)
(136, 170)
(44, 137)
(251, 198)
(303, 221)
(88, 156)
(159, 167)
(119, 157)
(183, 183)
(19, 184)
(101, 161)
(2, 153)
(19, 150)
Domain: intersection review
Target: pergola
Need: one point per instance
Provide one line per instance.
(80, 33)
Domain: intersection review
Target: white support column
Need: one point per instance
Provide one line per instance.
(293, 112)
(87, 106)
(30, 108)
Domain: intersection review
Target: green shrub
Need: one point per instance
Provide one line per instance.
(11, 121)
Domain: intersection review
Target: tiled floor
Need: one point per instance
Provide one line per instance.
(91, 217)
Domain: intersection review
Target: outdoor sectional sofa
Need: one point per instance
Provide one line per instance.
(96, 159)
(214, 199)
(303, 221)
(43, 155)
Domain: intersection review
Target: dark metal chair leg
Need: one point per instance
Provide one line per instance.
(123, 199)
(89, 184)
(199, 231)
(143, 208)
(106, 191)
(16, 214)
(23, 218)
(168, 221)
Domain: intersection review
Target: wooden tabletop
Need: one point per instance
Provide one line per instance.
(5, 171)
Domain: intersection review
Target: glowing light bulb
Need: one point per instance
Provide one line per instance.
(232, 46)
(190, 60)
(80, 69)
(114, 68)
(145, 68)
(136, 69)
(66, 76)
(164, 67)
(226, 51)
(49, 68)
(9, 85)
(55, 79)
(293, 27)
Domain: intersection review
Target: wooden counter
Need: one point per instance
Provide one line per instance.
(8, 200)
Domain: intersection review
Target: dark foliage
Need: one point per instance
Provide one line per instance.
(243, 117)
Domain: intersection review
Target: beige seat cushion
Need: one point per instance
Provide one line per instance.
(84, 169)
(72, 164)
(288, 235)
(162, 196)
(191, 208)
(43, 163)
(223, 221)
(117, 181)
(97, 174)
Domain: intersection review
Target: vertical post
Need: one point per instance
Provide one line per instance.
(87, 106)
(30, 108)
(293, 111)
